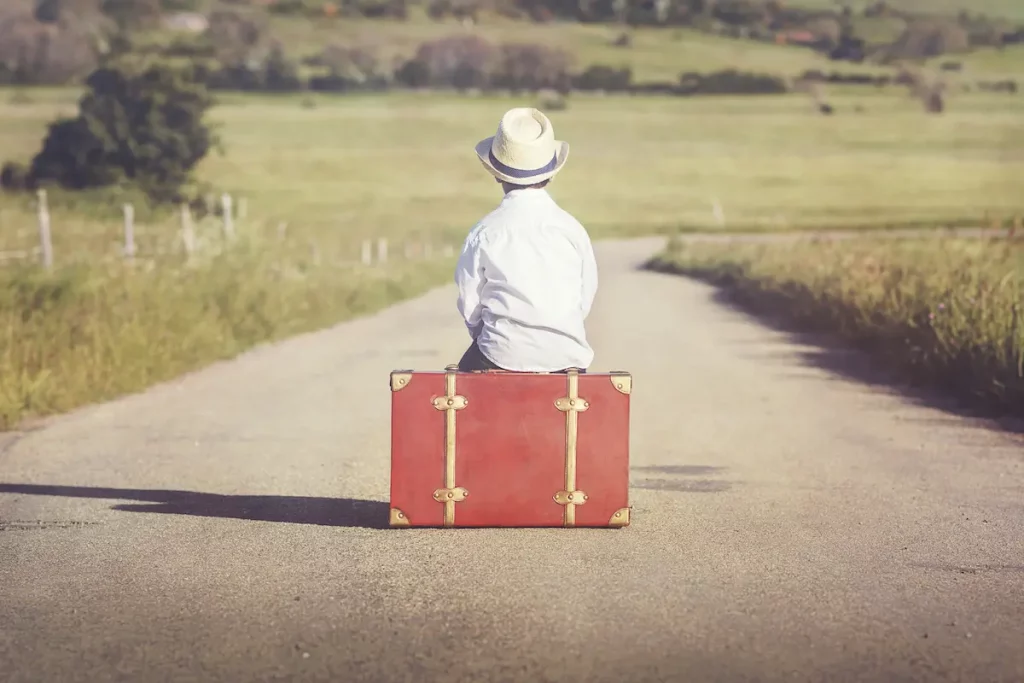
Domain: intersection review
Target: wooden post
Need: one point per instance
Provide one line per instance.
(408, 250)
(188, 233)
(427, 250)
(282, 230)
(719, 213)
(382, 250)
(229, 225)
(367, 256)
(44, 230)
(129, 231)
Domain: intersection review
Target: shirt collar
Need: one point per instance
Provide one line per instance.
(527, 193)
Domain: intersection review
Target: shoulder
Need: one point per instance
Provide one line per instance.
(569, 224)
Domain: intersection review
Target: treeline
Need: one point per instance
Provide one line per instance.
(467, 63)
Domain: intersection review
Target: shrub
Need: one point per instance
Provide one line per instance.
(458, 61)
(526, 66)
(731, 82)
(14, 176)
(233, 36)
(348, 68)
(137, 123)
(603, 77)
(927, 38)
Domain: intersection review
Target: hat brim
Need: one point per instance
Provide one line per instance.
(483, 153)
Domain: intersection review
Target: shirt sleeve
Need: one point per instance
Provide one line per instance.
(589, 288)
(469, 279)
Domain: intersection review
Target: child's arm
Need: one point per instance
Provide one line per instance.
(589, 289)
(469, 279)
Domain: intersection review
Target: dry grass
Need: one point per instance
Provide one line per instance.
(89, 333)
(946, 312)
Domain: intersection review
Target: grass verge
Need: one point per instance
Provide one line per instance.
(942, 312)
(86, 334)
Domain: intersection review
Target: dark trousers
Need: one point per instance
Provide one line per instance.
(473, 360)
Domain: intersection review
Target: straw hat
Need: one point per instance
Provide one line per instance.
(524, 151)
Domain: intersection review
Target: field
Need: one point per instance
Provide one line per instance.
(655, 54)
(337, 170)
(1009, 9)
(947, 313)
(402, 165)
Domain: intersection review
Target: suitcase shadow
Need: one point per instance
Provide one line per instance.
(338, 512)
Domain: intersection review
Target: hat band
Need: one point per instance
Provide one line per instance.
(520, 173)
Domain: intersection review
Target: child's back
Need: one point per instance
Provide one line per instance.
(527, 275)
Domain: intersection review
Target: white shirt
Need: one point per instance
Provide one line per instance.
(527, 279)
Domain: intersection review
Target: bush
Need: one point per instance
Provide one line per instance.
(731, 82)
(137, 123)
(927, 38)
(14, 176)
(348, 68)
(459, 61)
(526, 66)
(603, 77)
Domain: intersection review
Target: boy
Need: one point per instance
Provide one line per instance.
(527, 275)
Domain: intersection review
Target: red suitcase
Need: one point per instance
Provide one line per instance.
(509, 449)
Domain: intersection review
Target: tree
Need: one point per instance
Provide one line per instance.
(138, 123)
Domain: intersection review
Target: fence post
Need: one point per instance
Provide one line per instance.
(719, 213)
(367, 255)
(229, 225)
(282, 230)
(44, 230)
(129, 231)
(382, 250)
(188, 234)
(408, 250)
(428, 251)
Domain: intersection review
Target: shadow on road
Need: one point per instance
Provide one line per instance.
(681, 479)
(340, 512)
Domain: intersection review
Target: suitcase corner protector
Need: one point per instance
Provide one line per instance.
(620, 518)
(622, 381)
(397, 518)
(400, 379)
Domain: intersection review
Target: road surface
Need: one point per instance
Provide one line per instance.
(788, 525)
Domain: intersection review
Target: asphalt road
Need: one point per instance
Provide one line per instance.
(788, 524)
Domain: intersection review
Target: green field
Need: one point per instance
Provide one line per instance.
(402, 166)
(1009, 9)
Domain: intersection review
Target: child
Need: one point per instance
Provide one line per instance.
(527, 274)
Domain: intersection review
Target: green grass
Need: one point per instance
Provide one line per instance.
(1007, 9)
(947, 313)
(401, 166)
(90, 333)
